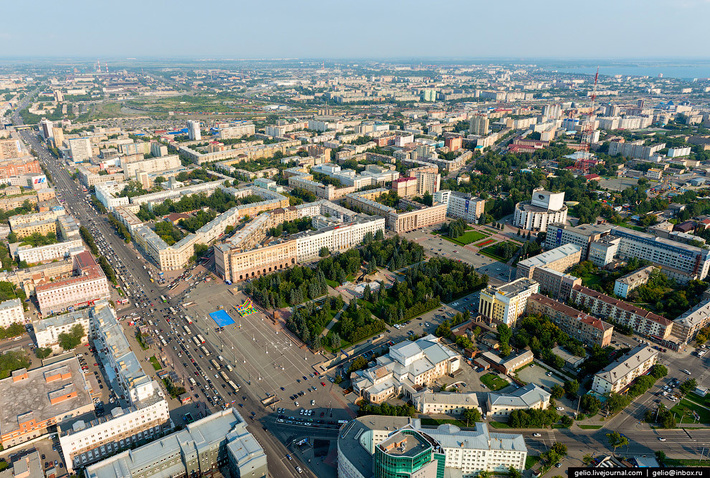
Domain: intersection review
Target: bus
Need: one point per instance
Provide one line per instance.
(215, 364)
(188, 319)
(233, 385)
(224, 376)
(186, 329)
(172, 311)
(201, 338)
(162, 297)
(205, 351)
(197, 341)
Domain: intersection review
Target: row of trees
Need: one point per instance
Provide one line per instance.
(89, 240)
(108, 270)
(533, 418)
(35, 239)
(357, 323)
(291, 227)
(641, 385)
(367, 408)
(197, 220)
(219, 201)
(167, 232)
(120, 228)
(454, 229)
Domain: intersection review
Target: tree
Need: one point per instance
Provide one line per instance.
(590, 405)
(560, 449)
(661, 457)
(358, 364)
(566, 421)
(514, 473)
(324, 252)
(68, 341)
(471, 415)
(43, 352)
(557, 392)
(688, 386)
(571, 387)
(659, 371)
(616, 440)
(587, 459)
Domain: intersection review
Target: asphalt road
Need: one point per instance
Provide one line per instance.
(136, 272)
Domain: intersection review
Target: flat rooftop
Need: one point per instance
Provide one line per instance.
(553, 255)
(514, 288)
(408, 444)
(28, 398)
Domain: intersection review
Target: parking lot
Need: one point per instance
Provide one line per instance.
(540, 376)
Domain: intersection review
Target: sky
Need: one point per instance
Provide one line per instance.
(368, 29)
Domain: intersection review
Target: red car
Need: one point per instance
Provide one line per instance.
(323, 383)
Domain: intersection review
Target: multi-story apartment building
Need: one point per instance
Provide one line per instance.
(479, 125)
(193, 130)
(687, 326)
(618, 375)
(505, 304)
(33, 401)
(50, 252)
(527, 397)
(201, 449)
(28, 220)
(147, 414)
(47, 330)
(178, 255)
(679, 261)
(583, 236)
(365, 444)
(87, 286)
(151, 165)
(461, 206)
(428, 179)
(544, 208)
(17, 167)
(398, 220)
(236, 130)
(557, 285)
(639, 320)
(80, 149)
(558, 259)
(623, 286)
(583, 327)
(11, 312)
(106, 194)
(449, 403)
(407, 368)
(634, 149)
(10, 148)
(42, 227)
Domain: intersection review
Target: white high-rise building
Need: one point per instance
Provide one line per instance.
(193, 130)
(479, 125)
(46, 127)
(80, 149)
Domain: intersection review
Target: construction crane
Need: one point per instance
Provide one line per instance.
(588, 129)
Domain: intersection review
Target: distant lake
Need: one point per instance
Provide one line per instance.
(688, 70)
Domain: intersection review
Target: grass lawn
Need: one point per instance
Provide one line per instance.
(531, 461)
(493, 382)
(675, 462)
(332, 283)
(467, 237)
(491, 250)
(495, 424)
(590, 427)
(688, 407)
(154, 362)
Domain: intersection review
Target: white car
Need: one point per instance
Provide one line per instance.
(536, 435)
(559, 409)
(661, 439)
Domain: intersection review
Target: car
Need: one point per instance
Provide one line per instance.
(661, 439)
(559, 409)
(536, 435)
(298, 469)
(323, 383)
(295, 403)
(289, 457)
(558, 465)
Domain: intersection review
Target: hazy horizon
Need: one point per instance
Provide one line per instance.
(454, 30)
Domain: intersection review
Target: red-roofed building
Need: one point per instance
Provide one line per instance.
(592, 177)
(88, 285)
(641, 321)
(577, 324)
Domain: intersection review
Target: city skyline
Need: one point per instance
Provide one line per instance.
(366, 30)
